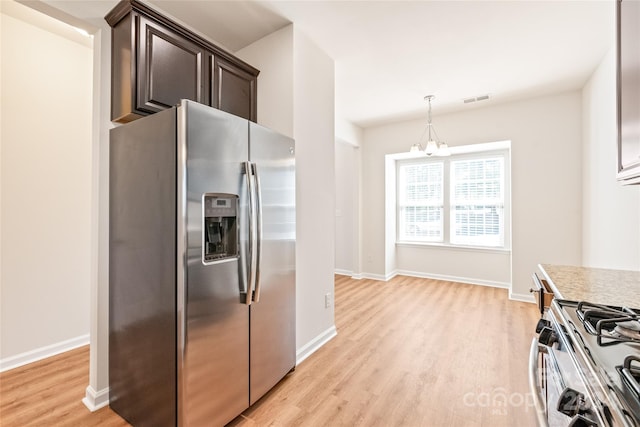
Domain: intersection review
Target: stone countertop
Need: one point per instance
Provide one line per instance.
(596, 285)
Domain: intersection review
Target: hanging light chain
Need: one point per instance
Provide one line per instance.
(429, 125)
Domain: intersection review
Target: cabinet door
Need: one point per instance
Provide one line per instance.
(628, 28)
(233, 89)
(170, 68)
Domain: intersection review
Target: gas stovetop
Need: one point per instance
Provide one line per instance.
(606, 341)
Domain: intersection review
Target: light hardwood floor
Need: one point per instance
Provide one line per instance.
(409, 352)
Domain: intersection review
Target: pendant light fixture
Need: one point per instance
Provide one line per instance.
(433, 146)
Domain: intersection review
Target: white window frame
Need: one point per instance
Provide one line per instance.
(490, 208)
(428, 205)
(469, 152)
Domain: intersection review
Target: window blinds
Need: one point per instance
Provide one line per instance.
(477, 202)
(421, 204)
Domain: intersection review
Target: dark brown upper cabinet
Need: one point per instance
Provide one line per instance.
(155, 63)
(171, 67)
(233, 89)
(628, 90)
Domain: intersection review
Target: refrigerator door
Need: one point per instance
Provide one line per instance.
(213, 321)
(142, 270)
(272, 317)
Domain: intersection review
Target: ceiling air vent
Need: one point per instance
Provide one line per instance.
(474, 99)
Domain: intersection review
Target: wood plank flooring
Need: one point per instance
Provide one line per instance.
(409, 352)
(50, 392)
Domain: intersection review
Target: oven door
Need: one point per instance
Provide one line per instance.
(560, 396)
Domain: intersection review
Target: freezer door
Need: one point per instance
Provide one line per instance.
(142, 270)
(273, 311)
(213, 323)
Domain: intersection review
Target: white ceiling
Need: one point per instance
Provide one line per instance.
(390, 54)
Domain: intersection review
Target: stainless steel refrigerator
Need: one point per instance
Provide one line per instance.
(201, 266)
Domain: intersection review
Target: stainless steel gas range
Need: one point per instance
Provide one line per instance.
(585, 365)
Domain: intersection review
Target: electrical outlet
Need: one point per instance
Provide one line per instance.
(327, 300)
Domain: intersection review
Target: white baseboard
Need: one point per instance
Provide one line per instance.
(42, 353)
(493, 284)
(343, 272)
(471, 281)
(382, 277)
(312, 346)
(95, 400)
(355, 276)
(390, 276)
(522, 297)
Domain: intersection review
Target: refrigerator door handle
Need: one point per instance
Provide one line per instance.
(248, 171)
(258, 232)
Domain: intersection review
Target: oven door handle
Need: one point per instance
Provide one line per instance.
(536, 390)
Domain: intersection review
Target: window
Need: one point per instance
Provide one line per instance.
(421, 201)
(457, 201)
(477, 202)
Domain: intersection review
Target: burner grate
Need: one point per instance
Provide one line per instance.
(611, 325)
(631, 374)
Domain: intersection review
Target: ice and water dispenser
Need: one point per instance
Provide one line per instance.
(220, 240)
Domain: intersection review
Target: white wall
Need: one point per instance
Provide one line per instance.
(610, 211)
(347, 171)
(348, 132)
(314, 131)
(97, 394)
(46, 191)
(546, 186)
(273, 56)
(492, 268)
(349, 138)
(303, 107)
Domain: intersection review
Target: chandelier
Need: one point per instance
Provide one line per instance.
(433, 145)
